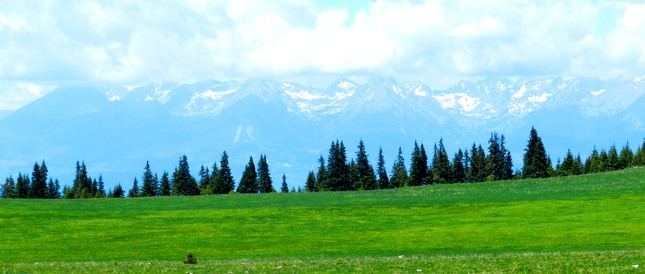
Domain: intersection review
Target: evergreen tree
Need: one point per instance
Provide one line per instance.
(441, 165)
(134, 191)
(399, 172)
(118, 191)
(225, 181)
(150, 184)
(567, 168)
(53, 189)
(264, 176)
(477, 167)
(458, 168)
(82, 186)
(418, 166)
(625, 158)
(535, 158)
(365, 172)
(248, 183)
(383, 180)
(337, 172)
(285, 187)
(23, 186)
(39, 182)
(639, 158)
(9, 188)
(100, 193)
(311, 184)
(215, 181)
(593, 163)
(165, 188)
(204, 180)
(612, 159)
(182, 181)
(321, 176)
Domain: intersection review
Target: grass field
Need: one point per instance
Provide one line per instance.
(593, 223)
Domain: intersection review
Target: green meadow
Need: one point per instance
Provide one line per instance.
(588, 223)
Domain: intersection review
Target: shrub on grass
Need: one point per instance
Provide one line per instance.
(190, 259)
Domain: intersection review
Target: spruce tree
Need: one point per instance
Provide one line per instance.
(9, 188)
(248, 183)
(82, 185)
(535, 157)
(150, 185)
(100, 193)
(418, 166)
(477, 167)
(612, 162)
(365, 171)
(625, 158)
(215, 181)
(337, 171)
(399, 172)
(441, 165)
(593, 163)
(53, 189)
(265, 183)
(383, 180)
(639, 157)
(38, 188)
(182, 181)
(204, 180)
(311, 184)
(458, 168)
(165, 188)
(567, 166)
(134, 191)
(118, 191)
(23, 186)
(321, 176)
(284, 188)
(225, 182)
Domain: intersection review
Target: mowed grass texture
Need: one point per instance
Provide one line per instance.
(599, 213)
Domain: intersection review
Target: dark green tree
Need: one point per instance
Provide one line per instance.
(23, 186)
(38, 188)
(625, 158)
(337, 171)
(535, 158)
(248, 183)
(204, 180)
(612, 162)
(593, 163)
(211, 187)
(311, 185)
(284, 188)
(418, 166)
(383, 180)
(118, 191)
(321, 176)
(639, 157)
(225, 182)
(150, 185)
(134, 191)
(82, 186)
(499, 164)
(458, 168)
(182, 181)
(9, 188)
(365, 172)
(100, 190)
(165, 189)
(399, 172)
(53, 189)
(441, 165)
(566, 168)
(476, 171)
(265, 183)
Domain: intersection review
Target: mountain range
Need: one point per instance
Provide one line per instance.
(115, 130)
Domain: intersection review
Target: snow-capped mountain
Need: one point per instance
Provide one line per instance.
(116, 129)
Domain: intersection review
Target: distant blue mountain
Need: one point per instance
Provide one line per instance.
(116, 130)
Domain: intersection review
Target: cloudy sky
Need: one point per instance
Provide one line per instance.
(44, 44)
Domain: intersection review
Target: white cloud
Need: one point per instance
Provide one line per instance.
(434, 41)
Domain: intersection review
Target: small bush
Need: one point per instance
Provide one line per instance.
(190, 259)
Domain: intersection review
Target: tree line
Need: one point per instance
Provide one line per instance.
(337, 172)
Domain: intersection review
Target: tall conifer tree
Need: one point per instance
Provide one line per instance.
(265, 182)
(248, 183)
(399, 172)
(284, 188)
(536, 162)
(383, 180)
(365, 172)
(182, 181)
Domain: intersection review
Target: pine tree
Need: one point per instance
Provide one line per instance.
(535, 157)
(265, 182)
(321, 176)
(441, 165)
(215, 181)
(39, 182)
(225, 182)
(134, 191)
(100, 193)
(337, 172)
(182, 181)
(383, 180)
(612, 162)
(593, 163)
(284, 188)
(365, 171)
(477, 168)
(23, 186)
(9, 188)
(567, 166)
(165, 188)
(118, 191)
(82, 185)
(625, 158)
(399, 172)
(204, 180)
(150, 185)
(311, 184)
(248, 183)
(53, 189)
(639, 158)
(458, 168)
(418, 166)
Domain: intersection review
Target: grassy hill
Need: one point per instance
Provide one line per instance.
(592, 216)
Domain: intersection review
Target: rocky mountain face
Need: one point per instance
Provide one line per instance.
(116, 130)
